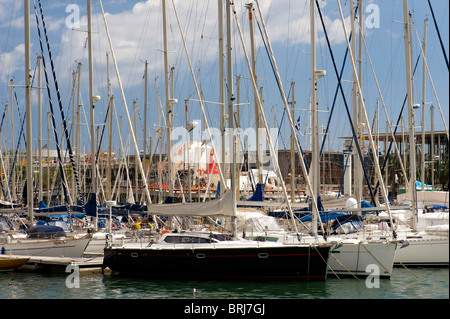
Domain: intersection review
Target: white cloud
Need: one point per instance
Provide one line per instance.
(11, 62)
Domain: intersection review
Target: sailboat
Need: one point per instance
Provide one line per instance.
(352, 256)
(421, 247)
(13, 241)
(9, 263)
(192, 254)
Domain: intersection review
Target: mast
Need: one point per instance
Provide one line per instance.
(432, 145)
(187, 150)
(144, 146)
(221, 89)
(48, 159)
(159, 131)
(410, 101)
(13, 181)
(40, 125)
(424, 49)
(357, 192)
(291, 123)
(79, 105)
(292, 145)
(74, 79)
(133, 136)
(110, 117)
(91, 107)
(366, 122)
(136, 156)
(28, 110)
(359, 106)
(230, 114)
(258, 158)
(168, 105)
(315, 169)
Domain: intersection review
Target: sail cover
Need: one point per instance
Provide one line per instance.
(222, 206)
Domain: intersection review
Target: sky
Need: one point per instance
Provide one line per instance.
(136, 33)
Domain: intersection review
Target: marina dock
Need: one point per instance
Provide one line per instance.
(59, 264)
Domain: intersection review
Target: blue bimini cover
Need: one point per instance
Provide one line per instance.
(45, 231)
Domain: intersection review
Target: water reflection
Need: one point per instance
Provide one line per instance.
(419, 283)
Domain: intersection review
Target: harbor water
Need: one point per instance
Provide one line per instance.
(414, 283)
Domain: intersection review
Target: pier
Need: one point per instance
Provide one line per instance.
(59, 264)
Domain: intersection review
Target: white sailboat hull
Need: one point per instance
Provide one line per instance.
(66, 247)
(424, 252)
(363, 259)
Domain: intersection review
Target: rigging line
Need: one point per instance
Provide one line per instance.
(366, 121)
(336, 92)
(72, 160)
(291, 123)
(18, 108)
(133, 136)
(432, 84)
(395, 129)
(439, 34)
(51, 104)
(385, 111)
(198, 93)
(346, 107)
(263, 118)
(21, 133)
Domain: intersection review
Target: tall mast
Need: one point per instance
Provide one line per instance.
(159, 131)
(28, 110)
(360, 127)
(13, 182)
(221, 88)
(91, 107)
(293, 136)
(258, 126)
(358, 176)
(136, 156)
(410, 101)
(144, 146)
(49, 198)
(432, 145)
(40, 125)
(168, 105)
(74, 80)
(110, 118)
(230, 114)
(315, 171)
(79, 104)
(424, 49)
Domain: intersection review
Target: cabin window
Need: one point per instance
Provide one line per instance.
(187, 240)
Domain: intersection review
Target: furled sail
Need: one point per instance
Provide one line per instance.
(222, 206)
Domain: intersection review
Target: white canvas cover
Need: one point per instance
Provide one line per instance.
(222, 206)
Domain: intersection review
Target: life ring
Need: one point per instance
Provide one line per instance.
(165, 232)
(80, 225)
(114, 226)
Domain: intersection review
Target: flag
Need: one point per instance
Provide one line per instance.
(297, 125)
(44, 147)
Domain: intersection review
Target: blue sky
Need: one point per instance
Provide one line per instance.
(136, 31)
